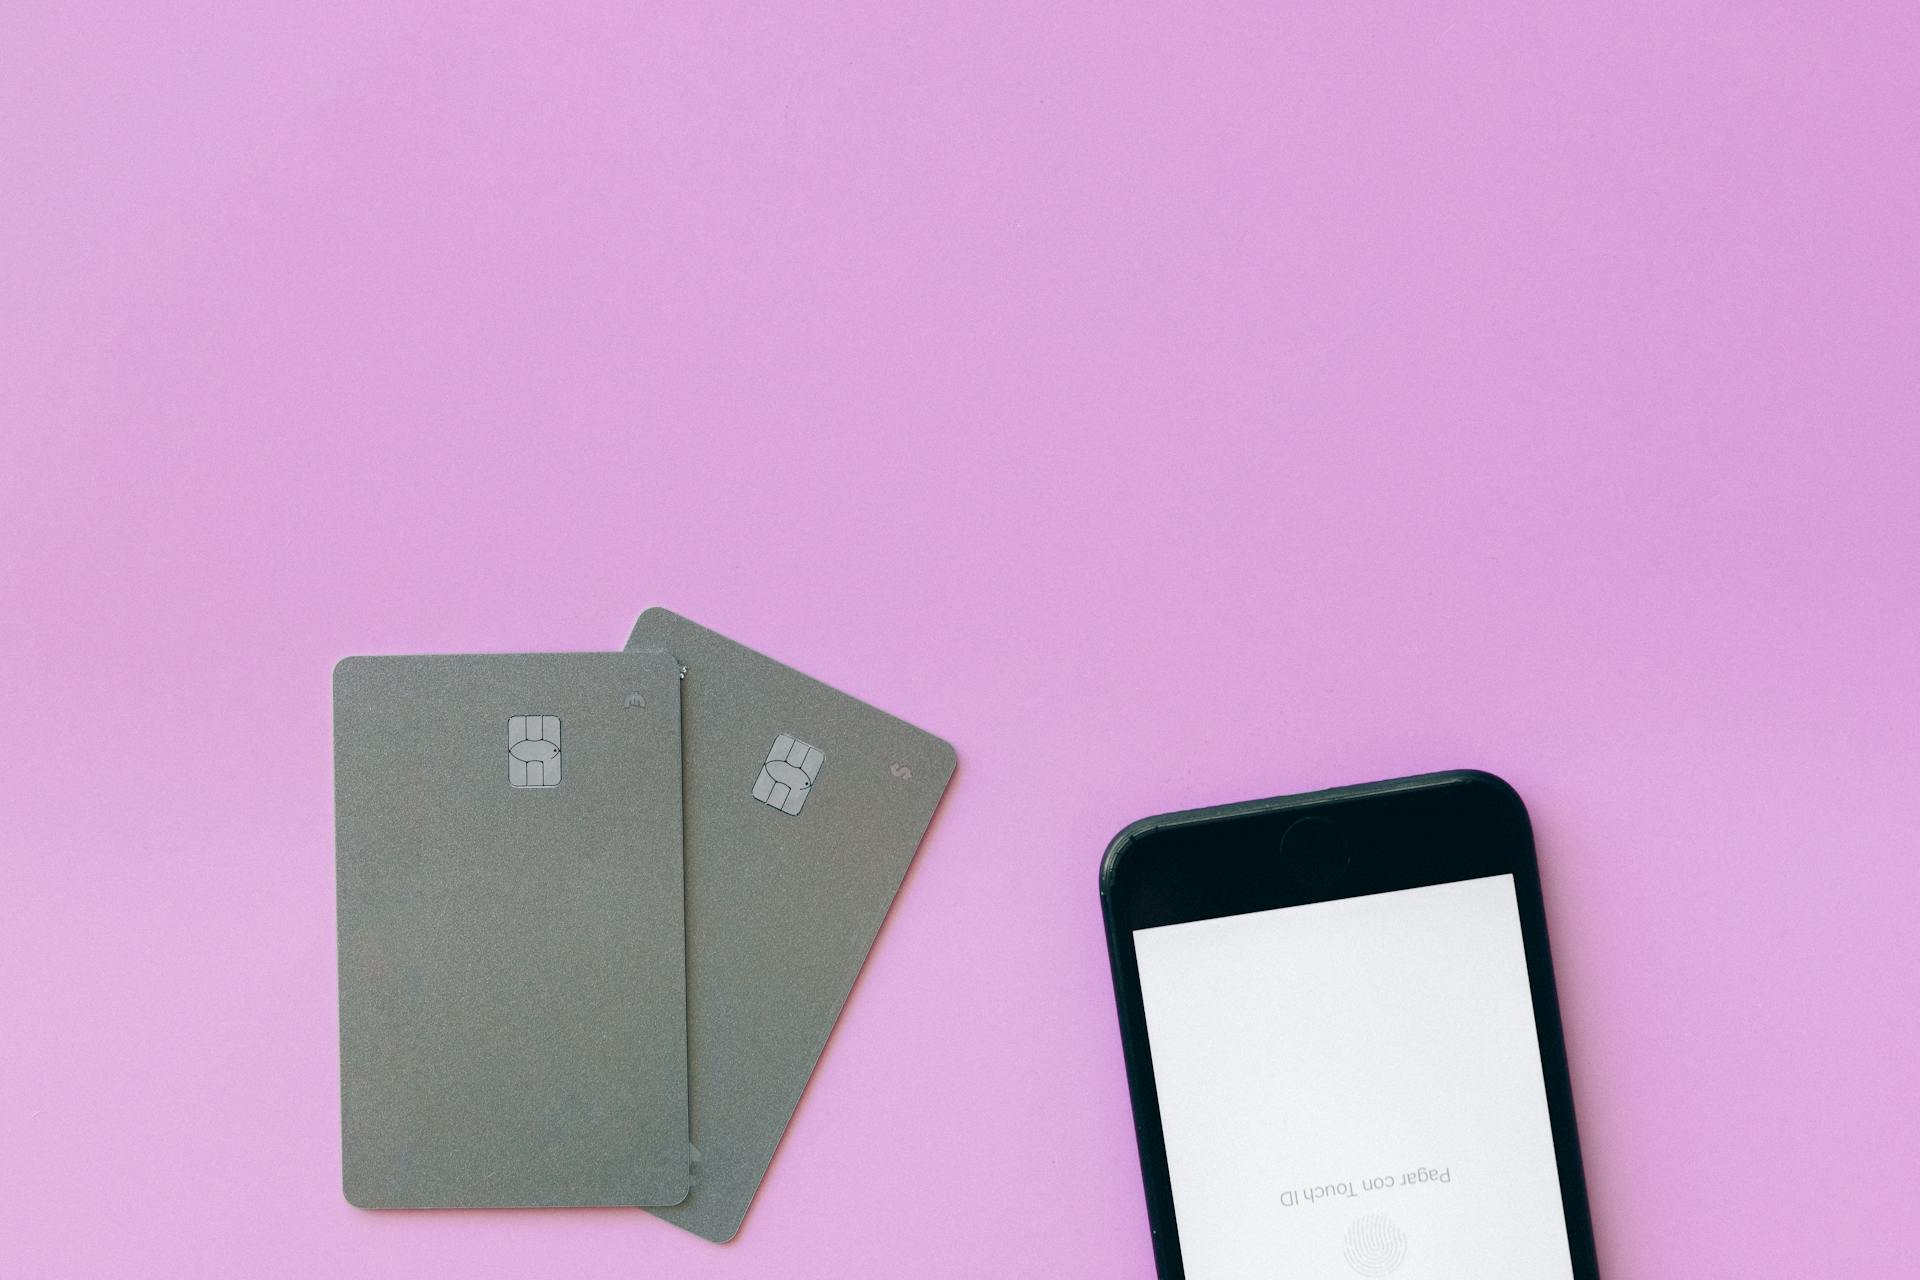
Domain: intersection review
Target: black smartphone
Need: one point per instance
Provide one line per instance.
(1342, 1038)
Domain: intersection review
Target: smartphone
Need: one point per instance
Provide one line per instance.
(1342, 1038)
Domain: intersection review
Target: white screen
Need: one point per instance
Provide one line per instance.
(1354, 1088)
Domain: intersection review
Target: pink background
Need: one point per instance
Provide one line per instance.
(1169, 406)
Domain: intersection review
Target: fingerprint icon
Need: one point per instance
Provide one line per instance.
(1375, 1246)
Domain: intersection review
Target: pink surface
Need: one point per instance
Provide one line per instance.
(1168, 406)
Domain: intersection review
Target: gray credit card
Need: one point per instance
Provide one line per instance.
(804, 809)
(512, 930)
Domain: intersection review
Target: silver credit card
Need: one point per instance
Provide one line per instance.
(804, 808)
(512, 934)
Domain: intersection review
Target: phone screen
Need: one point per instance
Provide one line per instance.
(1354, 1088)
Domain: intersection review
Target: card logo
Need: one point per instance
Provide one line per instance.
(533, 751)
(786, 779)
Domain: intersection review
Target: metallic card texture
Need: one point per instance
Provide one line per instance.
(804, 808)
(512, 944)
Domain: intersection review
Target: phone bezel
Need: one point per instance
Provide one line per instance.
(1405, 834)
